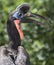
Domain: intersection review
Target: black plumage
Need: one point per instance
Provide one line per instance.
(13, 35)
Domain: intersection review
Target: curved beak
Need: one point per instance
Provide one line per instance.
(23, 14)
(31, 18)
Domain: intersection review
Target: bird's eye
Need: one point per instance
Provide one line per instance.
(20, 14)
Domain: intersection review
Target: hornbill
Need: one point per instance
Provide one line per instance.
(15, 51)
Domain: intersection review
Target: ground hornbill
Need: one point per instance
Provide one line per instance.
(15, 54)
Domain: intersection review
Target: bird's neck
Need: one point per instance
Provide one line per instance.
(13, 35)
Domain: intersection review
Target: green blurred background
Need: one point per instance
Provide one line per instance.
(38, 40)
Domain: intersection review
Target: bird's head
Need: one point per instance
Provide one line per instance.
(21, 11)
(22, 14)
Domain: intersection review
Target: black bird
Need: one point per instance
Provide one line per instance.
(15, 51)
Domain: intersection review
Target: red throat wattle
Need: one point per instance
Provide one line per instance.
(16, 22)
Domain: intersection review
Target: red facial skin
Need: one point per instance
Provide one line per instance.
(17, 22)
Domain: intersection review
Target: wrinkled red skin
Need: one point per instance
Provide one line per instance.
(17, 22)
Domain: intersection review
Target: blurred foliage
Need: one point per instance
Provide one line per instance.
(39, 41)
